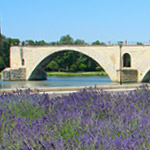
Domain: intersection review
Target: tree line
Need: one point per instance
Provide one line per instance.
(64, 40)
(71, 61)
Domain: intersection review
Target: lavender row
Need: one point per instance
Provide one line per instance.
(90, 119)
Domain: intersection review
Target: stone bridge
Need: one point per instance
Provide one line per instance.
(127, 63)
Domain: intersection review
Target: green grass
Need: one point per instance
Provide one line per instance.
(69, 74)
(26, 109)
(92, 73)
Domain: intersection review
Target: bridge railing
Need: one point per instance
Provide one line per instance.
(130, 43)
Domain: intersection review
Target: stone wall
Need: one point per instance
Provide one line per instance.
(14, 74)
(128, 75)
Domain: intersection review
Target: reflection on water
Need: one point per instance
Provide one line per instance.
(53, 81)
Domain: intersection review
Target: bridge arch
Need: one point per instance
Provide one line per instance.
(38, 73)
(146, 76)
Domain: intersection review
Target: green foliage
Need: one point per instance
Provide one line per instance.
(96, 43)
(4, 52)
(71, 61)
(42, 43)
(67, 130)
(30, 42)
(80, 42)
(53, 43)
(82, 67)
(26, 109)
(102, 43)
(66, 40)
(2, 65)
(13, 41)
(52, 66)
(139, 43)
(34, 43)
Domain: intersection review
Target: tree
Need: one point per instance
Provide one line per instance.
(52, 66)
(4, 52)
(42, 43)
(82, 66)
(53, 43)
(75, 61)
(30, 42)
(139, 43)
(66, 40)
(23, 43)
(80, 42)
(2, 65)
(13, 41)
(96, 43)
(102, 43)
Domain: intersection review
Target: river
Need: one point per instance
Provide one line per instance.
(54, 81)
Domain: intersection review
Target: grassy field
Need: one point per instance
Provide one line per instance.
(93, 73)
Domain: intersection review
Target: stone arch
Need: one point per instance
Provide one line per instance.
(146, 77)
(39, 68)
(126, 60)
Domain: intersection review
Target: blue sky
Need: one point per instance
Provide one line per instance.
(89, 20)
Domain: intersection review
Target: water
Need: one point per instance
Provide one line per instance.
(54, 81)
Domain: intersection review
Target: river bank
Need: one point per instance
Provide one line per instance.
(70, 74)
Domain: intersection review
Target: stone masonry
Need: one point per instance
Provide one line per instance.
(128, 75)
(14, 74)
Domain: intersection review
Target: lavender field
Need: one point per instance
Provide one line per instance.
(88, 120)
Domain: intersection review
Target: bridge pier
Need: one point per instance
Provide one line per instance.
(127, 75)
(19, 74)
(38, 74)
(14, 74)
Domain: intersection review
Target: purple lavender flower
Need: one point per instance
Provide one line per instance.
(88, 119)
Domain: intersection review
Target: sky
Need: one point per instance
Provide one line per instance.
(89, 20)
